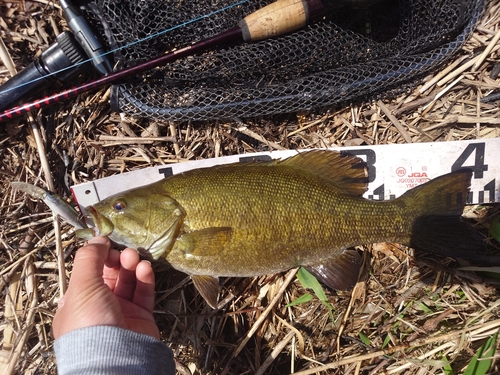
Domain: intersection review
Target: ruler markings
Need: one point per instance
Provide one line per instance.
(392, 169)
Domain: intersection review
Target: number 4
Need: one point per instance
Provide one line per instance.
(479, 167)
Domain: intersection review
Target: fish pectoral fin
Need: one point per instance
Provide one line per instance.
(205, 242)
(208, 287)
(339, 272)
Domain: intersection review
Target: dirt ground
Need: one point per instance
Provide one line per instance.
(406, 315)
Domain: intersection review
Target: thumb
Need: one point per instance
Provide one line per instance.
(74, 310)
(89, 261)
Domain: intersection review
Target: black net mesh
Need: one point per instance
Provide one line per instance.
(351, 53)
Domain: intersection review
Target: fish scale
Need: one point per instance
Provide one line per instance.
(257, 218)
(279, 215)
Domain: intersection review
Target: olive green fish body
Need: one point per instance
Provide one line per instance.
(271, 219)
(258, 218)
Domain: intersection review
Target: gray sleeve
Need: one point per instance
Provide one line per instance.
(106, 350)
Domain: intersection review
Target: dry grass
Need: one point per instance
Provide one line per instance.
(403, 316)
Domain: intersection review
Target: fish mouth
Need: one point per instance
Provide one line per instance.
(103, 226)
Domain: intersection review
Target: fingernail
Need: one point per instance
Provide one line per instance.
(98, 240)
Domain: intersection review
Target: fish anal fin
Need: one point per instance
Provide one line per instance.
(346, 172)
(339, 272)
(208, 287)
(204, 242)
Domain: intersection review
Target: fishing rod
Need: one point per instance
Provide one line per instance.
(275, 19)
(278, 18)
(70, 55)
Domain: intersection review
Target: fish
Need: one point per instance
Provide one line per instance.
(57, 205)
(265, 217)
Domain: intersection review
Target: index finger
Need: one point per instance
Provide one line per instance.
(111, 269)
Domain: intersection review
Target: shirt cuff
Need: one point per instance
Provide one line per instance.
(108, 350)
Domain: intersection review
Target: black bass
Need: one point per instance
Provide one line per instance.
(260, 218)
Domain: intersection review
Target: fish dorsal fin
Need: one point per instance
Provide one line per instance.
(208, 287)
(347, 172)
(339, 272)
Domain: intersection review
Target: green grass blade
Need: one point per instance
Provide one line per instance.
(387, 340)
(425, 308)
(302, 299)
(364, 339)
(308, 281)
(479, 366)
(493, 272)
(495, 228)
(447, 367)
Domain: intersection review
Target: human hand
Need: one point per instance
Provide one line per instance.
(107, 288)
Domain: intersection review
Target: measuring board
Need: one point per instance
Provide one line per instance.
(392, 169)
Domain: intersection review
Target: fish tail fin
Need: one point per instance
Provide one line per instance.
(443, 196)
(438, 227)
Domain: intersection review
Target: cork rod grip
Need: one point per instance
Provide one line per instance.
(280, 17)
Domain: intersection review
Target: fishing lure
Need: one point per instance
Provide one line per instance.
(56, 204)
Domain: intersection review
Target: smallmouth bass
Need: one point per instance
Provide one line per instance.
(257, 218)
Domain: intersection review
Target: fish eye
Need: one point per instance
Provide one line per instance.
(119, 205)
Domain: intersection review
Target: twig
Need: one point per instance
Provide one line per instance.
(465, 120)
(16, 263)
(300, 337)
(30, 320)
(462, 68)
(395, 121)
(428, 107)
(490, 326)
(276, 351)
(441, 74)
(7, 59)
(421, 358)
(29, 225)
(262, 317)
(306, 127)
(486, 51)
(111, 138)
(251, 134)
(12, 305)
(50, 185)
(61, 266)
(173, 131)
(474, 120)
